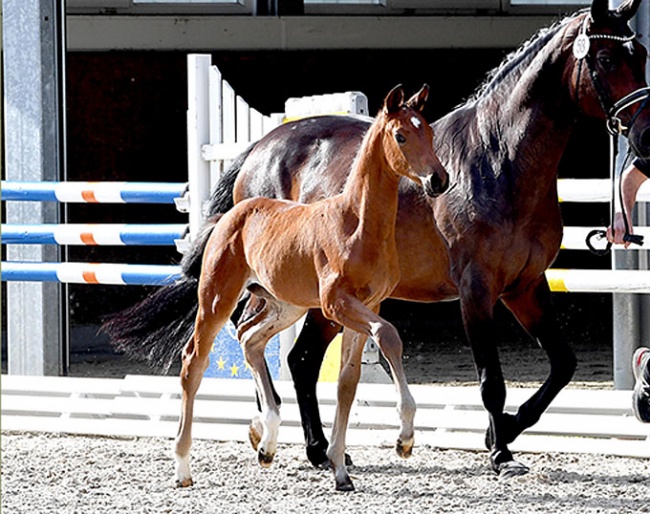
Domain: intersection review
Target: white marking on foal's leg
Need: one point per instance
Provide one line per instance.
(269, 443)
(183, 473)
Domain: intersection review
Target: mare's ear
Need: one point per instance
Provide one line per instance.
(417, 101)
(394, 100)
(599, 10)
(628, 9)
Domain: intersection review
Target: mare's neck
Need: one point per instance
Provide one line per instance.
(509, 141)
(372, 187)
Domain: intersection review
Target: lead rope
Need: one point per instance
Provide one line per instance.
(614, 127)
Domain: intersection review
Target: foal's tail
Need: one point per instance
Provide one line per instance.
(157, 328)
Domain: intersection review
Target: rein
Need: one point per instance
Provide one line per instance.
(615, 126)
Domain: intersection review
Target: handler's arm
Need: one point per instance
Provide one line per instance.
(631, 179)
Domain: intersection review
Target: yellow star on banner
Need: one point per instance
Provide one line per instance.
(234, 369)
(221, 364)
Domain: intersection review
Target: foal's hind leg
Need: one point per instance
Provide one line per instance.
(254, 334)
(216, 303)
(534, 311)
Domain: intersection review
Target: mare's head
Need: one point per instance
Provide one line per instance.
(607, 64)
(408, 141)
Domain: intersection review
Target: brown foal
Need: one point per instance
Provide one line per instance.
(338, 254)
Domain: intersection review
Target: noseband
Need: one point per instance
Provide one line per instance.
(615, 126)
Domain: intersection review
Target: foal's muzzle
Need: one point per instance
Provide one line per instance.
(434, 185)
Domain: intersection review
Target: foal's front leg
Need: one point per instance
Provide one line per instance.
(351, 351)
(355, 316)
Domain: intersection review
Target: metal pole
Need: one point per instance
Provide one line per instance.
(630, 310)
(32, 43)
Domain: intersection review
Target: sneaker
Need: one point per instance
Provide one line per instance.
(641, 395)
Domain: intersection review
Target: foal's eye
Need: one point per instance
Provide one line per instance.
(400, 138)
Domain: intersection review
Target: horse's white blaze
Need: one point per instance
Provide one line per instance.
(416, 122)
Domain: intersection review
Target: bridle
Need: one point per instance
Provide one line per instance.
(615, 127)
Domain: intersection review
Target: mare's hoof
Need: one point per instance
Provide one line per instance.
(404, 451)
(511, 469)
(188, 482)
(255, 432)
(264, 459)
(345, 485)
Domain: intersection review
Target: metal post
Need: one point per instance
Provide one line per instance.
(33, 46)
(629, 310)
(642, 23)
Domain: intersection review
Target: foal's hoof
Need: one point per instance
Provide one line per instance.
(264, 459)
(255, 432)
(511, 469)
(188, 482)
(403, 450)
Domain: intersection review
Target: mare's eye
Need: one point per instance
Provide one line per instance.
(606, 60)
(400, 138)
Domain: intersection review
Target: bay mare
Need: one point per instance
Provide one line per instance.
(489, 239)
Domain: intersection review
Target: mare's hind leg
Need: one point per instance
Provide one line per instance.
(477, 307)
(305, 360)
(533, 309)
(216, 303)
(254, 333)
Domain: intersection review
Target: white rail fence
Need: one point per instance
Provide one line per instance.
(578, 421)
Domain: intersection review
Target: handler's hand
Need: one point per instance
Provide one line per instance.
(619, 231)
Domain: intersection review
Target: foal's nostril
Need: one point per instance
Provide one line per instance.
(436, 185)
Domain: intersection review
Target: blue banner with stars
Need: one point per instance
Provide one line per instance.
(227, 357)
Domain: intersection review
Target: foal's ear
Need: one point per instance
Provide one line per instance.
(417, 101)
(394, 100)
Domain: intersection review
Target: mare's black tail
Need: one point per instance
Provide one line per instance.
(157, 328)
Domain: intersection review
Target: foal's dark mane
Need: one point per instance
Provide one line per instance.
(501, 78)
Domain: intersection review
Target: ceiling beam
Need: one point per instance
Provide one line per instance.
(212, 33)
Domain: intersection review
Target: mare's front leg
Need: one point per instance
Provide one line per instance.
(533, 309)
(305, 360)
(477, 307)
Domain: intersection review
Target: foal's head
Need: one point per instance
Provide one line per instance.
(608, 64)
(408, 141)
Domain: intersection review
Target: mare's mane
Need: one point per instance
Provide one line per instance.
(504, 76)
